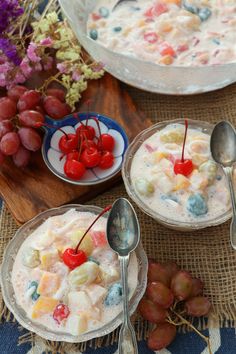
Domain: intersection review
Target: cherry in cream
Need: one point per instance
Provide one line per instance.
(183, 166)
(74, 257)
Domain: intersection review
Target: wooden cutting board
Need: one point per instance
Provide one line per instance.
(31, 190)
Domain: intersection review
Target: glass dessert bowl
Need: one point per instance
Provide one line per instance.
(47, 327)
(187, 202)
(144, 74)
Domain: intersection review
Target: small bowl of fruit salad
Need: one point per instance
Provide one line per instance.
(84, 148)
(61, 279)
(170, 174)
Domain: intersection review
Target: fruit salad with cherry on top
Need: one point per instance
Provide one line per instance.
(174, 175)
(167, 32)
(67, 278)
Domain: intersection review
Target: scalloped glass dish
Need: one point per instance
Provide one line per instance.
(168, 222)
(19, 313)
(175, 80)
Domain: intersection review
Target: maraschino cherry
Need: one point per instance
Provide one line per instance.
(183, 166)
(75, 257)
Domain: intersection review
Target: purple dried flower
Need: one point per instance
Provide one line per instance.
(10, 10)
(9, 50)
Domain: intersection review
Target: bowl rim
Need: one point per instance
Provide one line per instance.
(44, 332)
(84, 183)
(134, 196)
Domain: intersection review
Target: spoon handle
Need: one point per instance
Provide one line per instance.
(127, 338)
(228, 172)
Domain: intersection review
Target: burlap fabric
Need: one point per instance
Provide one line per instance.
(206, 253)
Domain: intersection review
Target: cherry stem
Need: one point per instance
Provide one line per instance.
(99, 130)
(40, 124)
(185, 136)
(105, 210)
(88, 109)
(76, 116)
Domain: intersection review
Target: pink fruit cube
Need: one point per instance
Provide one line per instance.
(99, 238)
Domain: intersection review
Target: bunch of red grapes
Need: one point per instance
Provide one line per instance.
(170, 291)
(20, 110)
(84, 150)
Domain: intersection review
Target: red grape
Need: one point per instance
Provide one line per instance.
(107, 160)
(58, 93)
(55, 108)
(198, 306)
(29, 100)
(7, 108)
(152, 312)
(6, 126)
(181, 285)
(10, 143)
(161, 336)
(16, 92)
(29, 118)
(157, 272)
(160, 294)
(22, 157)
(30, 139)
(171, 268)
(2, 158)
(197, 287)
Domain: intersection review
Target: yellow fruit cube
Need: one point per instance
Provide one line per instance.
(77, 324)
(181, 182)
(158, 155)
(86, 245)
(166, 60)
(49, 284)
(44, 305)
(48, 257)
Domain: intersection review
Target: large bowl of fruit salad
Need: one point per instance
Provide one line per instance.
(182, 191)
(60, 295)
(163, 46)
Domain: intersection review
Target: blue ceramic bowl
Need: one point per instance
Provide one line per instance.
(55, 160)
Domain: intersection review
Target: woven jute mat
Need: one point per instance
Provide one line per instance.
(205, 253)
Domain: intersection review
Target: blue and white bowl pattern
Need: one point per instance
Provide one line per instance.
(55, 159)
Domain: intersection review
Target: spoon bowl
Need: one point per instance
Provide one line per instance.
(223, 150)
(123, 227)
(223, 144)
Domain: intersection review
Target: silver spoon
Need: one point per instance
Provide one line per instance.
(223, 150)
(123, 235)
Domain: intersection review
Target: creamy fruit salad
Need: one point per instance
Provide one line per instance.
(187, 32)
(73, 301)
(193, 191)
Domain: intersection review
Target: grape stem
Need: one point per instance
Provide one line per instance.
(105, 210)
(184, 321)
(185, 136)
